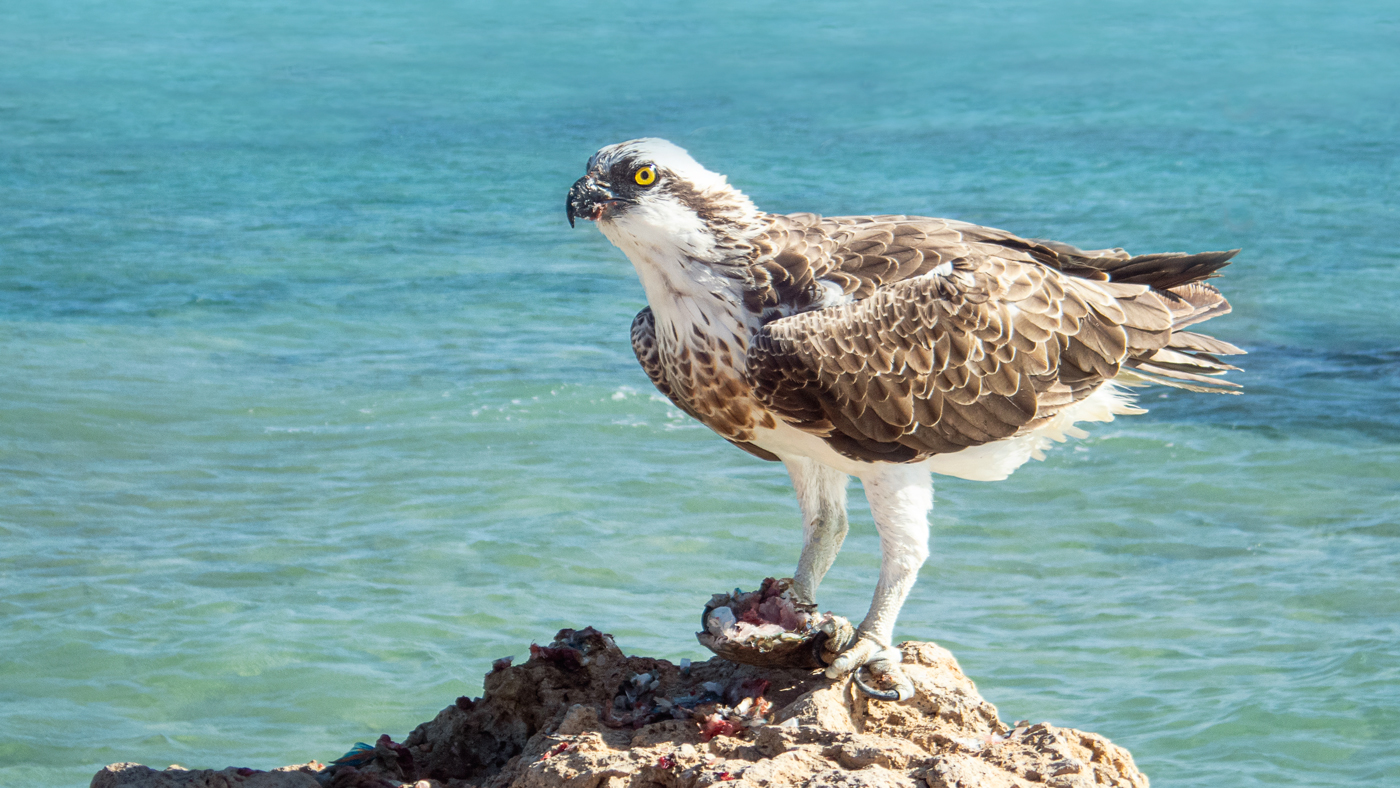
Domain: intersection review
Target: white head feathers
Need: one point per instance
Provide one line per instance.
(664, 154)
(682, 209)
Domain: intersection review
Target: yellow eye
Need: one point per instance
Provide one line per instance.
(646, 176)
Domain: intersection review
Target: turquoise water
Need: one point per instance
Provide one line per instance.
(313, 404)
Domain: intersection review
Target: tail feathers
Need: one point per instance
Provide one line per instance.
(1189, 360)
(1194, 303)
(1184, 364)
(1143, 373)
(1185, 360)
(1200, 343)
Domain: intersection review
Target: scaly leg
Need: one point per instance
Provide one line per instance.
(821, 493)
(901, 497)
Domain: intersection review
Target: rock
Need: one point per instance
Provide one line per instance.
(581, 714)
(134, 775)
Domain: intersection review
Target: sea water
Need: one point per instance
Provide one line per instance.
(312, 404)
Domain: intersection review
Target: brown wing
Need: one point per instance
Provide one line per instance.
(858, 254)
(862, 253)
(927, 362)
(648, 354)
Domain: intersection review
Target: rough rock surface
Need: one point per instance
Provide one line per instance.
(581, 714)
(134, 775)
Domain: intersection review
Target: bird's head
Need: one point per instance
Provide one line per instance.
(650, 188)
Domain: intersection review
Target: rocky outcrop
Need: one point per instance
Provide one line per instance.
(134, 775)
(580, 713)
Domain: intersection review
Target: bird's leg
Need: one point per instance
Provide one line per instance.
(901, 497)
(821, 493)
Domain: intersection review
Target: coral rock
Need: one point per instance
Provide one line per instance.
(134, 775)
(581, 714)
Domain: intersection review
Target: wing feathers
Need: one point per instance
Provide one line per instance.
(930, 359)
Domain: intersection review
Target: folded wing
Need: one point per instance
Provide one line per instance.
(959, 335)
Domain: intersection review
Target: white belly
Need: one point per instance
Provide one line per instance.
(986, 463)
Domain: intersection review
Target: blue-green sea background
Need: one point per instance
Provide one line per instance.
(312, 404)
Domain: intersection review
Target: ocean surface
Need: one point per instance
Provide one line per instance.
(312, 404)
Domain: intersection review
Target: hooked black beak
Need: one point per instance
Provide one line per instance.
(587, 198)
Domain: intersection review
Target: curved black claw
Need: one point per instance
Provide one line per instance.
(903, 688)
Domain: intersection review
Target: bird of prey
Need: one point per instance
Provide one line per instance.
(886, 348)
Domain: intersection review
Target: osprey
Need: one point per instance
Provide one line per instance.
(886, 348)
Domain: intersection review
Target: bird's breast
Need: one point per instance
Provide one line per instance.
(703, 340)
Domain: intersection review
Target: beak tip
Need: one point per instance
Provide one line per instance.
(587, 198)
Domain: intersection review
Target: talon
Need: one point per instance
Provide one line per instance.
(903, 687)
(882, 662)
